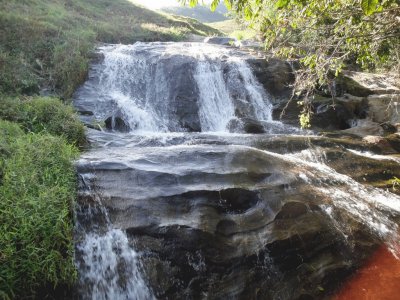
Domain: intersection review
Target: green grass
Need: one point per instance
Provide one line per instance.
(43, 115)
(37, 177)
(235, 30)
(37, 192)
(47, 43)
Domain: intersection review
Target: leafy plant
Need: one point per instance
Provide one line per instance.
(395, 183)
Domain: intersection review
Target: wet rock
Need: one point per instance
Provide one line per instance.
(394, 141)
(245, 125)
(365, 128)
(330, 116)
(220, 40)
(116, 123)
(231, 221)
(252, 126)
(275, 75)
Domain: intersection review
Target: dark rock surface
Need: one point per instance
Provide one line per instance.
(275, 75)
(220, 40)
(327, 114)
(233, 221)
(116, 123)
(246, 214)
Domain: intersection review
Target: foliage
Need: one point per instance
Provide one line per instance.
(42, 114)
(395, 183)
(47, 43)
(324, 35)
(8, 133)
(36, 195)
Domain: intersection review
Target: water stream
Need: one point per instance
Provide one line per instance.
(192, 191)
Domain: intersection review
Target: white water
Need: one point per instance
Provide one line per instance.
(370, 206)
(139, 80)
(216, 107)
(111, 268)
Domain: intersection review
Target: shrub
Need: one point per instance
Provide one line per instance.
(8, 133)
(44, 114)
(36, 196)
(70, 61)
(52, 116)
(17, 75)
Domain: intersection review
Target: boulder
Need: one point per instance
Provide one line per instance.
(384, 108)
(357, 105)
(220, 40)
(252, 126)
(245, 125)
(365, 128)
(274, 74)
(365, 84)
(116, 123)
(330, 115)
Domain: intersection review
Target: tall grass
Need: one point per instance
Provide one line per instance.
(36, 246)
(43, 115)
(46, 44)
(37, 190)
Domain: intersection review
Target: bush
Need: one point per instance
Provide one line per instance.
(36, 196)
(43, 114)
(70, 61)
(8, 133)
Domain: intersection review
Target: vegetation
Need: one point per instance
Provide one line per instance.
(37, 178)
(395, 183)
(37, 190)
(44, 115)
(235, 29)
(324, 36)
(47, 44)
(200, 13)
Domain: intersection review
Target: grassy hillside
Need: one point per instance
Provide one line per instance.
(201, 13)
(46, 43)
(233, 29)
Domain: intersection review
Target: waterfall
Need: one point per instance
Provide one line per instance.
(111, 268)
(108, 266)
(171, 87)
(216, 107)
(179, 197)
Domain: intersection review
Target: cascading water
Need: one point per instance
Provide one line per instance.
(180, 199)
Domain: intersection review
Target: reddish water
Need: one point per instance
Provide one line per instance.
(379, 279)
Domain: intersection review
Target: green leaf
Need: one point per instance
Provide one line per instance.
(228, 4)
(214, 5)
(369, 6)
(193, 3)
(281, 3)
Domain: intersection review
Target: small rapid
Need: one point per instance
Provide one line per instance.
(192, 190)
